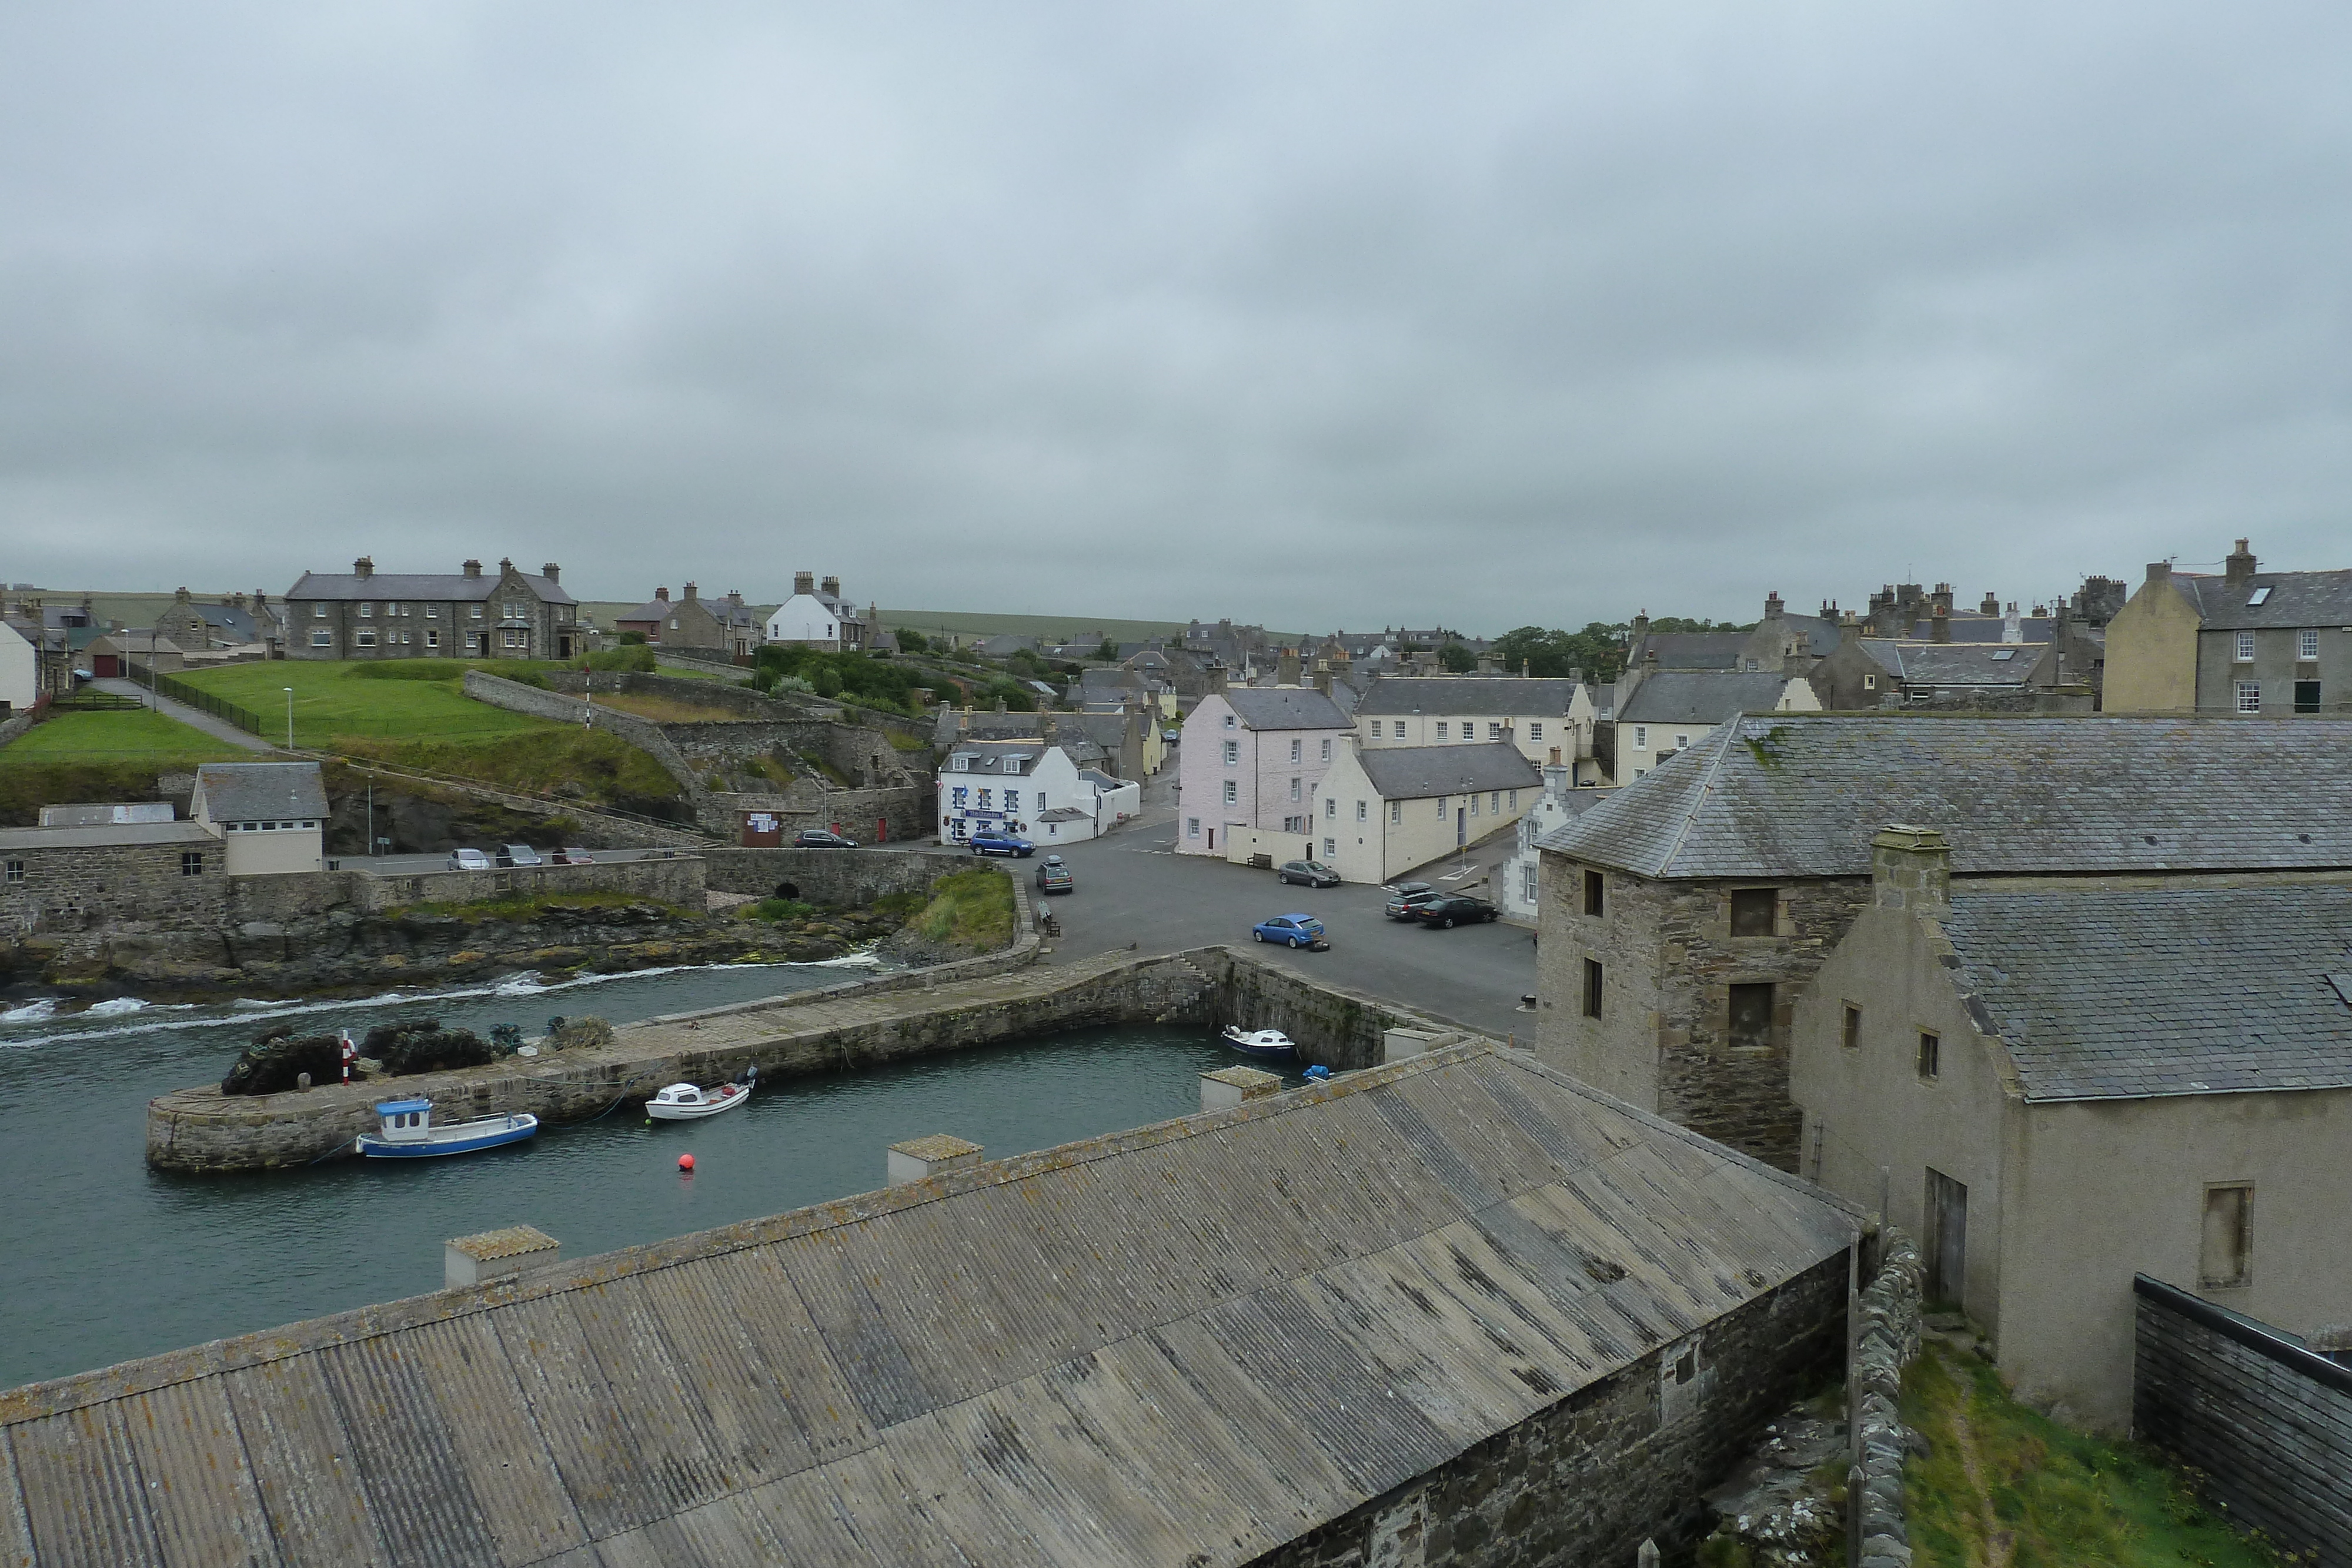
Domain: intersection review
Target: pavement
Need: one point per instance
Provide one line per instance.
(1134, 889)
(193, 717)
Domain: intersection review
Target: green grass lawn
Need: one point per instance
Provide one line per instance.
(970, 908)
(332, 701)
(2002, 1485)
(130, 735)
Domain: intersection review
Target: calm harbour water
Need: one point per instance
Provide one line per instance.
(105, 1259)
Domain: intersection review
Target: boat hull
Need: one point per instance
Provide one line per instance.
(1284, 1051)
(673, 1112)
(464, 1138)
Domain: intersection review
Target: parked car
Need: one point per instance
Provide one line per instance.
(570, 855)
(1053, 876)
(996, 844)
(1407, 896)
(1307, 874)
(1455, 909)
(468, 859)
(1291, 931)
(821, 839)
(517, 854)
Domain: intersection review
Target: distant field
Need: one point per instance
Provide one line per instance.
(134, 735)
(1055, 628)
(331, 701)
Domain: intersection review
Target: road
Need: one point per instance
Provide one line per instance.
(1134, 888)
(409, 865)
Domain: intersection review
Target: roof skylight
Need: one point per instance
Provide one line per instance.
(2258, 595)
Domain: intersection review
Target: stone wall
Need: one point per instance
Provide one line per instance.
(71, 889)
(1339, 1029)
(836, 877)
(854, 812)
(1669, 961)
(641, 733)
(674, 878)
(1886, 1341)
(1611, 1466)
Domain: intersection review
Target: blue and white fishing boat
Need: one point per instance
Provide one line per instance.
(407, 1132)
(1265, 1044)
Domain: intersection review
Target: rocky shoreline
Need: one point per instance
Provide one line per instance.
(342, 953)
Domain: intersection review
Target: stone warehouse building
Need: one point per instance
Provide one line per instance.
(409, 615)
(1514, 1322)
(2066, 1082)
(1684, 918)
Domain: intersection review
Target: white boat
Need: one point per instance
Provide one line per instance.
(1269, 1043)
(686, 1102)
(407, 1132)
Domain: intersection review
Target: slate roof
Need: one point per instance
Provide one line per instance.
(1700, 696)
(258, 791)
(1696, 650)
(1001, 758)
(1980, 629)
(1285, 707)
(452, 587)
(2295, 599)
(1801, 795)
(2106, 992)
(1420, 772)
(1176, 1347)
(1956, 663)
(1480, 694)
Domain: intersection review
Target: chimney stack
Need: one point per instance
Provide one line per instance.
(918, 1159)
(832, 588)
(1991, 605)
(1323, 680)
(1287, 668)
(1941, 623)
(2159, 572)
(2238, 570)
(1216, 675)
(1911, 868)
(1849, 631)
(473, 568)
(689, 593)
(553, 572)
(1772, 606)
(363, 567)
(662, 594)
(804, 583)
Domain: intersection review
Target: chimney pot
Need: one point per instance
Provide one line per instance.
(804, 583)
(662, 594)
(363, 567)
(551, 571)
(833, 587)
(690, 593)
(1911, 868)
(473, 568)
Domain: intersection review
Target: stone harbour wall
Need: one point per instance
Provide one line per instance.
(1339, 1029)
(838, 877)
(671, 877)
(1886, 1340)
(1626, 1459)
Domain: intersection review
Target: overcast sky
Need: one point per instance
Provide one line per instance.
(1316, 315)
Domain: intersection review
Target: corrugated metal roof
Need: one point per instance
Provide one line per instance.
(1184, 1344)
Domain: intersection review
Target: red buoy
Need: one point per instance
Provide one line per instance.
(686, 1162)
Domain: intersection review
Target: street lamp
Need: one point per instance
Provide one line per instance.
(1462, 831)
(290, 718)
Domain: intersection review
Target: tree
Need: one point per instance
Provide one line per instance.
(1599, 650)
(912, 642)
(1456, 659)
(1107, 653)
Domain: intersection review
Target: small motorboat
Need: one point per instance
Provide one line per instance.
(1267, 1044)
(686, 1102)
(407, 1132)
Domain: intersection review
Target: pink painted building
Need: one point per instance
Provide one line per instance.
(1253, 757)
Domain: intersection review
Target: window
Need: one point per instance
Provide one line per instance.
(15, 874)
(1400, 730)
(1363, 812)
(1870, 682)
(367, 613)
(1232, 793)
(1013, 800)
(2245, 647)
(1850, 1036)
(1191, 827)
(365, 639)
(393, 610)
(984, 798)
(1493, 732)
(432, 613)
(2306, 697)
(1330, 848)
(1750, 1016)
(1293, 824)
(1494, 803)
(1294, 789)
(1440, 808)
(1535, 730)
(1326, 748)
(1515, 799)
(1593, 987)
(405, 635)
(958, 795)
(1232, 752)
(1396, 811)
(964, 762)
(2306, 643)
(1295, 747)
(1229, 721)
(1751, 910)
(478, 612)
(1681, 743)
(1595, 892)
(1527, 884)
(431, 637)
(1474, 802)
(192, 862)
(515, 638)
(673, 622)
(1441, 729)
(1931, 1054)
(2226, 1255)
(1331, 808)
(2259, 597)
(2250, 695)
(323, 638)
(1641, 734)
(318, 613)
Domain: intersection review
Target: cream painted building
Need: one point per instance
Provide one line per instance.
(271, 816)
(2057, 1084)
(20, 671)
(1663, 712)
(1551, 722)
(1386, 810)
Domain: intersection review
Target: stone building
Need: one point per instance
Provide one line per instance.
(407, 615)
(1458, 1312)
(1682, 918)
(1779, 644)
(725, 627)
(235, 622)
(2246, 643)
(2059, 1083)
(127, 879)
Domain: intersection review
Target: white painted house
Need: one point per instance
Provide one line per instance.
(1387, 810)
(1519, 881)
(1028, 787)
(1252, 763)
(20, 671)
(817, 616)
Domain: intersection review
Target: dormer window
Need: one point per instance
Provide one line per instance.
(2257, 596)
(962, 763)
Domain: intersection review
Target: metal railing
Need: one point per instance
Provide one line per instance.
(180, 691)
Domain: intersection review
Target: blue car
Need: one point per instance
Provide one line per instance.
(992, 843)
(1291, 931)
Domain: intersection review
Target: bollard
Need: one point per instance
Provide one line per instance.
(1647, 1557)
